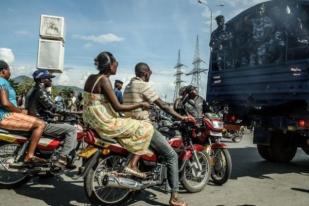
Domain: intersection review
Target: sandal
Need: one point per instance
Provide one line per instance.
(135, 173)
(35, 161)
(177, 202)
(61, 162)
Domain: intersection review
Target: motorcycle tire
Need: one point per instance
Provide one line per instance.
(225, 166)
(89, 184)
(191, 167)
(8, 179)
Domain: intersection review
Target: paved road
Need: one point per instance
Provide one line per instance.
(253, 182)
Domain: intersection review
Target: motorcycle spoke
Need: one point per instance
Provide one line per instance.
(7, 156)
(106, 166)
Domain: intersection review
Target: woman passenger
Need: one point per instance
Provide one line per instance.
(13, 118)
(101, 112)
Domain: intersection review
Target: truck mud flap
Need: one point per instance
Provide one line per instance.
(261, 136)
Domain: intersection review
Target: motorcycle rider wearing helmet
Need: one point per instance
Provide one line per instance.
(139, 90)
(39, 104)
(191, 103)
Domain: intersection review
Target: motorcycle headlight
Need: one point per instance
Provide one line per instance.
(217, 124)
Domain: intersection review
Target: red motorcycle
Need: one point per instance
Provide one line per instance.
(13, 146)
(106, 184)
(207, 132)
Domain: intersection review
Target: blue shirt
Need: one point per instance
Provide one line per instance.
(118, 94)
(5, 85)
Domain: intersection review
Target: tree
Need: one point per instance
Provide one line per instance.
(24, 87)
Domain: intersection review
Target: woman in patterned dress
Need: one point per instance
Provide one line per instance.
(101, 112)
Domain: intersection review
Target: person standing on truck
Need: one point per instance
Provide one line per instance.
(262, 32)
(220, 43)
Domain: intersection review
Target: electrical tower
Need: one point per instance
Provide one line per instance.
(197, 70)
(178, 75)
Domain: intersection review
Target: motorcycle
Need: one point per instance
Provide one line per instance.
(106, 184)
(233, 128)
(13, 146)
(207, 132)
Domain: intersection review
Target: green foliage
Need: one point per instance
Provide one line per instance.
(13, 84)
(22, 87)
(55, 91)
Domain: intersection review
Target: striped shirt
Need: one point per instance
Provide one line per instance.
(139, 91)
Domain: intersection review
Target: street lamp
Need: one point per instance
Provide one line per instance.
(206, 4)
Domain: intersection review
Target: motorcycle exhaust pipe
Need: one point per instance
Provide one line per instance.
(121, 182)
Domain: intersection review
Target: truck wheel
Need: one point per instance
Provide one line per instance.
(265, 152)
(282, 148)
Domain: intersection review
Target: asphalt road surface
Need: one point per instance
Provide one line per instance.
(253, 182)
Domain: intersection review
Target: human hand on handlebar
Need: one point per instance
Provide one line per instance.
(189, 118)
(145, 105)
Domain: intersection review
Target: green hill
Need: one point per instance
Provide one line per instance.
(28, 80)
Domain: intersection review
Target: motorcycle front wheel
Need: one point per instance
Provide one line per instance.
(96, 192)
(192, 178)
(10, 179)
(222, 166)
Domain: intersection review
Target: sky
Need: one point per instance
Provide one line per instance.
(150, 31)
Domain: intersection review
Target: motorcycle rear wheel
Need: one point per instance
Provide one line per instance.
(222, 168)
(96, 192)
(9, 179)
(192, 179)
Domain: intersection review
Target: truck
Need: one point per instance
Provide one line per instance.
(259, 73)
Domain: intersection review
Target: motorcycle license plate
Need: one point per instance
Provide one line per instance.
(87, 152)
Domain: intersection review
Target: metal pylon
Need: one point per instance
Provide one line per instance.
(178, 75)
(197, 70)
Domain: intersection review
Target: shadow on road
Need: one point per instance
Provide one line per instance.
(57, 192)
(300, 190)
(247, 162)
(54, 191)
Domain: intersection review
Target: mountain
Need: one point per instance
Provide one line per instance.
(76, 90)
(23, 78)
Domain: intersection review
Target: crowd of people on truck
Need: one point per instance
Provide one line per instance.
(260, 37)
(111, 113)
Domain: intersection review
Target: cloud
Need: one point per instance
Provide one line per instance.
(23, 33)
(103, 38)
(26, 70)
(7, 55)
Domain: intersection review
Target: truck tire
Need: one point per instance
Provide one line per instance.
(282, 148)
(264, 151)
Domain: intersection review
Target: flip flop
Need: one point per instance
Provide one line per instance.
(35, 161)
(177, 202)
(135, 173)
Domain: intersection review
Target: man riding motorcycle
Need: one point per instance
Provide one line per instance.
(191, 103)
(40, 104)
(139, 90)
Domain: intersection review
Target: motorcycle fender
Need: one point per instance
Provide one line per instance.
(187, 154)
(90, 163)
(218, 146)
(87, 152)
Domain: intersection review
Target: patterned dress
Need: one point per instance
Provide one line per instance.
(134, 135)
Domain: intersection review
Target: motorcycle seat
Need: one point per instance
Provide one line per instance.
(93, 136)
(22, 133)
